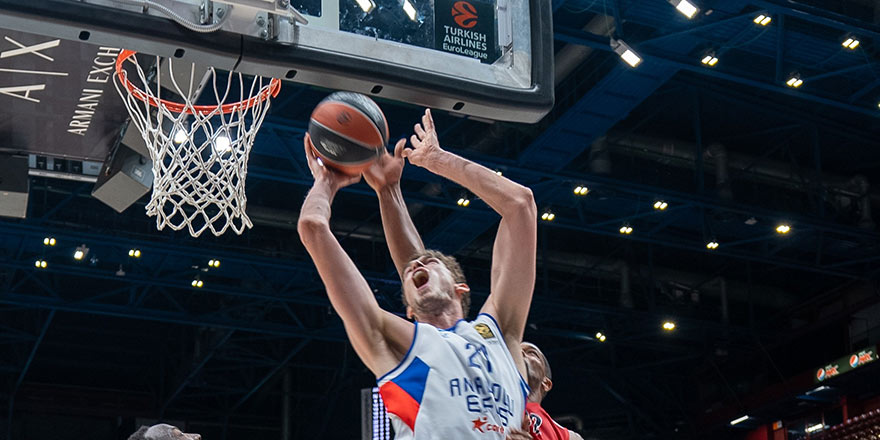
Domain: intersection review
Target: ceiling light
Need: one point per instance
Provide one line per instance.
(783, 228)
(794, 81)
(179, 136)
(366, 5)
(80, 252)
(660, 205)
(685, 7)
(197, 283)
(548, 216)
(739, 420)
(222, 144)
(463, 201)
(498, 172)
(134, 253)
(49, 241)
(709, 59)
(814, 428)
(214, 263)
(669, 326)
(581, 190)
(626, 53)
(40, 264)
(712, 245)
(409, 9)
(762, 20)
(850, 42)
(600, 337)
(626, 229)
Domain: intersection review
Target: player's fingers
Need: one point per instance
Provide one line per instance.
(419, 130)
(416, 142)
(398, 149)
(428, 120)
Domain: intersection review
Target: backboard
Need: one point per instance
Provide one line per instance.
(59, 104)
(486, 58)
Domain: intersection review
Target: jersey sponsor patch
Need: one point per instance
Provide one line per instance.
(484, 331)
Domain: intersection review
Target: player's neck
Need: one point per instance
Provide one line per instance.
(443, 320)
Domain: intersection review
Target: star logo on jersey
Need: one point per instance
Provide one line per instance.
(484, 331)
(478, 424)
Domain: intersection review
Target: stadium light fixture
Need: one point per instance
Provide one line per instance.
(783, 228)
(669, 326)
(366, 5)
(625, 52)
(794, 81)
(581, 190)
(685, 7)
(410, 10)
(660, 205)
(712, 245)
(548, 215)
(80, 252)
(850, 42)
(626, 229)
(709, 59)
(49, 241)
(762, 20)
(739, 420)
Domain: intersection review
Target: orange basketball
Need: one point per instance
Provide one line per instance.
(348, 132)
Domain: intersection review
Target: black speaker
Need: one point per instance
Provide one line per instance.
(14, 186)
(125, 178)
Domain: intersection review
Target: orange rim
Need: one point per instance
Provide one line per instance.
(264, 94)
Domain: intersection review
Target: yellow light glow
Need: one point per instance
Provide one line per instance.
(669, 326)
(783, 228)
(78, 255)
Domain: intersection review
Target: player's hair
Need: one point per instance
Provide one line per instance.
(454, 269)
(139, 434)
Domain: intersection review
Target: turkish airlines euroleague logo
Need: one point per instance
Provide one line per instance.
(465, 14)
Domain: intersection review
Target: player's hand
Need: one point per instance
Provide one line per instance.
(387, 169)
(521, 434)
(323, 174)
(518, 434)
(425, 144)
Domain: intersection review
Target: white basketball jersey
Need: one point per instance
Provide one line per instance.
(459, 383)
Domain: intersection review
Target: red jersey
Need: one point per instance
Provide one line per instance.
(542, 426)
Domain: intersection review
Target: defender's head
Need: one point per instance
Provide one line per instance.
(540, 378)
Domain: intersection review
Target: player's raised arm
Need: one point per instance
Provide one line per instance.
(513, 256)
(400, 232)
(379, 337)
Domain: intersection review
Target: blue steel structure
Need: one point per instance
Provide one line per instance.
(133, 337)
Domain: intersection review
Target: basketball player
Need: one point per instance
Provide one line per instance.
(403, 239)
(540, 381)
(441, 377)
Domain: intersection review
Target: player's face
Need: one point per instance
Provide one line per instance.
(534, 360)
(427, 284)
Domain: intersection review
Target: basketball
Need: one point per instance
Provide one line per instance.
(348, 132)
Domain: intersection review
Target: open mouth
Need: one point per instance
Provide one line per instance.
(420, 278)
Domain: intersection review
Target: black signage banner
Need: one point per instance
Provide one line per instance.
(57, 97)
(468, 28)
(846, 364)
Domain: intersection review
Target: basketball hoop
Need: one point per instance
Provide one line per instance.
(199, 152)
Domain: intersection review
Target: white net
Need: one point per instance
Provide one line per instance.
(199, 152)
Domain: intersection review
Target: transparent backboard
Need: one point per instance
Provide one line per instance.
(486, 58)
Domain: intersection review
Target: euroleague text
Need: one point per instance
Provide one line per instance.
(465, 42)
